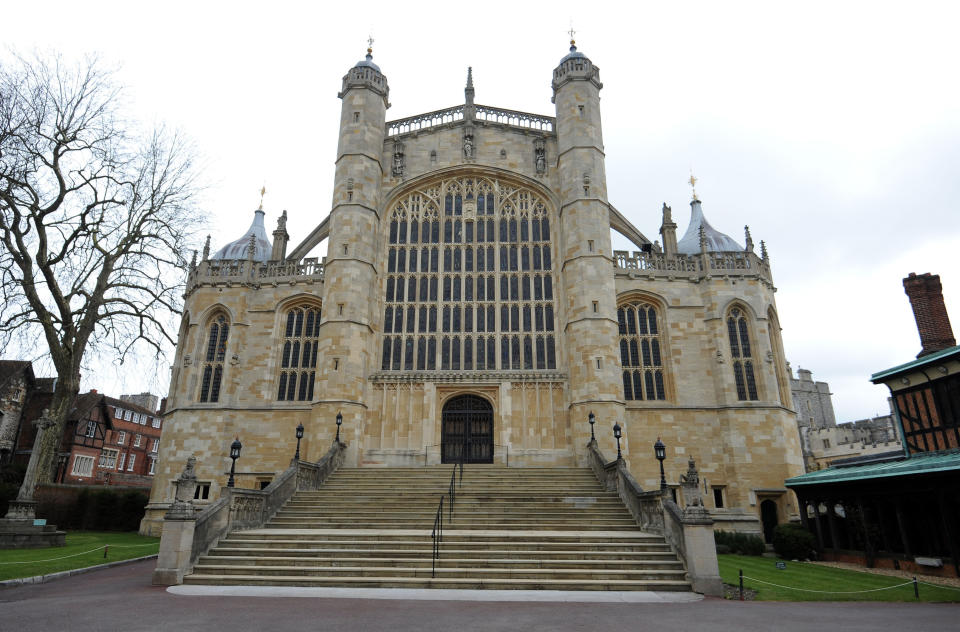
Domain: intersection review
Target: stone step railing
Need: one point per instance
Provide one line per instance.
(214, 271)
(689, 531)
(486, 113)
(657, 264)
(188, 534)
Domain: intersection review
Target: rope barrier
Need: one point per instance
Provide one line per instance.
(940, 586)
(54, 559)
(830, 592)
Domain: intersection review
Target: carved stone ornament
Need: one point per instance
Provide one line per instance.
(690, 482)
(187, 359)
(720, 358)
(540, 156)
(468, 149)
(182, 506)
(398, 161)
(234, 359)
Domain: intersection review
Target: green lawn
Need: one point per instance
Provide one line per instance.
(838, 582)
(79, 548)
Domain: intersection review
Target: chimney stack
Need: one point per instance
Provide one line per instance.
(933, 324)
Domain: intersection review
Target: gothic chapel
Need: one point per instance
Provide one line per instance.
(471, 306)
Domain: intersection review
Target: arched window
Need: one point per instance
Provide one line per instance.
(298, 353)
(742, 353)
(489, 255)
(212, 372)
(640, 351)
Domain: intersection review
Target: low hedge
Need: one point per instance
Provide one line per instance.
(92, 508)
(740, 543)
(793, 542)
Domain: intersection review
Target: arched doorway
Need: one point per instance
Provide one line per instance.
(768, 515)
(467, 431)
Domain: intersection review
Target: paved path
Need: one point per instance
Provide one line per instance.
(121, 598)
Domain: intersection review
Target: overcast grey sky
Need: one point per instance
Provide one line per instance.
(831, 128)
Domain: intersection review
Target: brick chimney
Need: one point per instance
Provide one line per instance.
(926, 298)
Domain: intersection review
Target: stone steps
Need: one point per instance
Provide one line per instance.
(533, 529)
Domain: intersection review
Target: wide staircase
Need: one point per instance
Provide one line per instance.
(511, 528)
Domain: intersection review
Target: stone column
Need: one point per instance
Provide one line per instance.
(176, 540)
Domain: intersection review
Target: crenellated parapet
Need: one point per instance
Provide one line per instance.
(218, 272)
(482, 113)
(692, 267)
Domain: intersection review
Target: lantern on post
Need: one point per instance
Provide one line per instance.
(296, 455)
(339, 423)
(592, 419)
(235, 448)
(617, 434)
(660, 451)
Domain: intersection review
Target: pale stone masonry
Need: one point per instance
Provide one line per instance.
(469, 259)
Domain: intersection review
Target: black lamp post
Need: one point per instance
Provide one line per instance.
(339, 423)
(234, 455)
(617, 434)
(660, 451)
(299, 436)
(592, 419)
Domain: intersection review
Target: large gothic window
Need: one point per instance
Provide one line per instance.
(298, 354)
(742, 354)
(469, 283)
(216, 351)
(640, 353)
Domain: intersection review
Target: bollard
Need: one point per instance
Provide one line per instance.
(741, 584)
(105, 549)
(916, 588)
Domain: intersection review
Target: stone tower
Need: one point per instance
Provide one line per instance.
(350, 274)
(586, 250)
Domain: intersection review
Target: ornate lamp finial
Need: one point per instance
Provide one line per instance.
(370, 46)
(263, 191)
(693, 186)
(573, 42)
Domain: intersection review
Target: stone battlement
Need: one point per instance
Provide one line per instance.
(693, 266)
(484, 113)
(214, 272)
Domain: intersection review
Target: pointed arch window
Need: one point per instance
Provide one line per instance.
(640, 351)
(741, 351)
(298, 353)
(212, 372)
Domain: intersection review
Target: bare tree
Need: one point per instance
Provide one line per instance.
(94, 219)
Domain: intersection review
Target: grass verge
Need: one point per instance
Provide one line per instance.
(838, 584)
(83, 549)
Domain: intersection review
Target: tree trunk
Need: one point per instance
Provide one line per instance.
(49, 436)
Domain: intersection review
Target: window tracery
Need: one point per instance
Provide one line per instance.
(298, 353)
(640, 351)
(742, 354)
(469, 271)
(212, 372)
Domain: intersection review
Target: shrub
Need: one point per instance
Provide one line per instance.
(793, 542)
(92, 508)
(11, 475)
(740, 543)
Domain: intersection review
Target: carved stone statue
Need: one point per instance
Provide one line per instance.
(468, 145)
(540, 156)
(182, 506)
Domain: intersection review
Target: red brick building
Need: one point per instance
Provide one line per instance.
(105, 441)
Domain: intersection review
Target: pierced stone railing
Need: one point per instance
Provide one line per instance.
(698, 265)
(486, 113)
(688, 532)
(215, 271)
(516, 119)
(187, 535)
(425, 121)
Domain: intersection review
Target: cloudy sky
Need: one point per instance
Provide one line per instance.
(831, 128)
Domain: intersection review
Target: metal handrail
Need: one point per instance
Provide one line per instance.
(437, 536)
(437, 533)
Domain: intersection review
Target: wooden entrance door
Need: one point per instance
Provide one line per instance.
(467, 430)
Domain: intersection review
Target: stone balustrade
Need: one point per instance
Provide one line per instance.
(658, 264)
(511, 118)
(218, 271)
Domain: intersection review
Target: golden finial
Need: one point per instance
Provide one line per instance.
(693, 186)
(370, 44)
(572, 33)
(263, 191)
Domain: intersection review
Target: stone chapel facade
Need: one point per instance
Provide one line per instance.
(471, 306)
